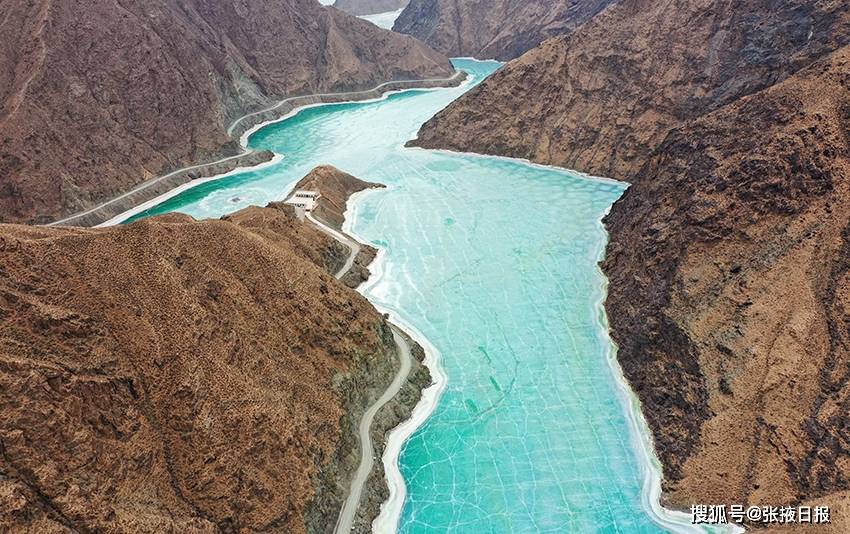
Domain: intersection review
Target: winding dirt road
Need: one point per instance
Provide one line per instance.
(353, 246)
(367, 449)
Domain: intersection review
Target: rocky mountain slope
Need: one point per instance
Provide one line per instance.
(493, 29)
(729, 267)
(728, 257)
(173, 375)
(601, 99)
(96, 97)
(369, 7)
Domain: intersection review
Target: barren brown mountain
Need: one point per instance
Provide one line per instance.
(729, 267)
(369, 7)
(96, 97)
(601, 99)
(493, 29)
(182, 376)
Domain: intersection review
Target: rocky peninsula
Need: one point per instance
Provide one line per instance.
(174, 374)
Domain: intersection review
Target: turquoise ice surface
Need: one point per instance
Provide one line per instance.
(495, 262)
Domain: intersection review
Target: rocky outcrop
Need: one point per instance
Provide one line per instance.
(493, 29)
(174, 375)
(336, 187)
(369, 7)
(729, 260)
(603, 98)
(96, 98)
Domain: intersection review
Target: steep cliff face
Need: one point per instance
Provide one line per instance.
(729, 263)
(173, 375)
(488, 29)
(96, 97)
(601, 99)
(369, 7)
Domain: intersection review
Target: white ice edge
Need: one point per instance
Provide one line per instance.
(642, 440)
(672, 520)
(243, 142)
(246, 136)
(121, 217)
(320, 95)
(529, 163)
(470, 58)
(390, 515)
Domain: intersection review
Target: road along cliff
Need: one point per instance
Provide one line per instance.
(96, 98)
(185, 375)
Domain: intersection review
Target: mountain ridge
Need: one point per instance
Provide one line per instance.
(500, 29)
(93, 109)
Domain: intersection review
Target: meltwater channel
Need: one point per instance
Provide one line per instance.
(494, 261)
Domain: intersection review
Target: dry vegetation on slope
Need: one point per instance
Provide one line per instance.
(174, 375)
(729, 263)
(96, 97)
(601, 99)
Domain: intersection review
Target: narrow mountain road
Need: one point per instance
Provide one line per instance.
(353, 246)
(246, 150)
(411, 83)
(367, 449)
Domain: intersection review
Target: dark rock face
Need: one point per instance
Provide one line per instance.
(694, 234)
(369, 7)
(181, 376)
(603, 98)
(487, 29)
(96, 97)
(728, 263)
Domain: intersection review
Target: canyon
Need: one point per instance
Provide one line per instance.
(727, 256)
(96, 98)
(493, 29)
(174, 374)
